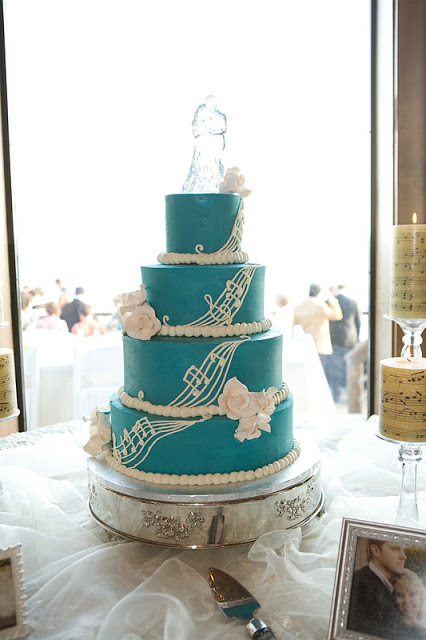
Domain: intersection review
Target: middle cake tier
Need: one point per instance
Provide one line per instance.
(188, 374)
(191, 300)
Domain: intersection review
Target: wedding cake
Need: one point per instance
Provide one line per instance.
(203, 399)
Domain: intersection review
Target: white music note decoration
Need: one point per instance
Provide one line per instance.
(234, 241)
(228, 303)
(204, 384)
(135, 445)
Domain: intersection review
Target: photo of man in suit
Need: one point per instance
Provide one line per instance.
(372, 607)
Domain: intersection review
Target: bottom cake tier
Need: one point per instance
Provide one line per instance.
(197, 451)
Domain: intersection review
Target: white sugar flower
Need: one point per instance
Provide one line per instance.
(233, 182)
(250, 428)
(266, 401)
(100, 431)
(252, 409)
(130, 302)
(237, 401)
(142, 323)
(133, 299)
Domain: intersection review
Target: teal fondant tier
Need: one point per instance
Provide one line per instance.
(173, 446)
(193, 371)
(194, 220)
(205, 296)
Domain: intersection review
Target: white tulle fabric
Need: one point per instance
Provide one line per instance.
(79, 585)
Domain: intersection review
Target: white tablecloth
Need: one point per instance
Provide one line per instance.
(52, 384)
(80, 585)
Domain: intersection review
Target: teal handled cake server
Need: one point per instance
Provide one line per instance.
(236, 601)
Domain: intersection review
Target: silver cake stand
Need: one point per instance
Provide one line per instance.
(213, 516)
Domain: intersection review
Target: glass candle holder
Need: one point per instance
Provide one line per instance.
(412, 338)
(410, 455)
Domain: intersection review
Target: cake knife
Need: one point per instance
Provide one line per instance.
(235, 601)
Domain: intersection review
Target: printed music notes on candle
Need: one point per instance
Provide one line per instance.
(8, 402)
(402, 414)
(408, 282)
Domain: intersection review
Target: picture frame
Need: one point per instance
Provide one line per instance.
(380, 583)
(13, 620)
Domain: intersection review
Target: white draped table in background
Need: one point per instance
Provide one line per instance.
(79, 585)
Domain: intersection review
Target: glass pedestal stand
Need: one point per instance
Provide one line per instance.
(409, 454)
(412, 338)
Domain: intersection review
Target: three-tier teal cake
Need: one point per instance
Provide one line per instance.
(203, 399)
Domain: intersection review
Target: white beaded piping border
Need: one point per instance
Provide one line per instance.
(227, 257)
(237, 329)
(168, 411)
(208, 478)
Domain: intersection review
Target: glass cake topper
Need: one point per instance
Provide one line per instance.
(207, 168)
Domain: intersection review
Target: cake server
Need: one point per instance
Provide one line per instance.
(236, 601)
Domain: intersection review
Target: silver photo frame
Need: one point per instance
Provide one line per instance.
(13, 622)
(365, 609)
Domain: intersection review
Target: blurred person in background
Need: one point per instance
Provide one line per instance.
(114, 323)
(38, 303)
(26, 318)
(344, 335)
(63, 297)
(52, 320)
(314, 315)
(283, 315)
(88, 325)
(71, 311)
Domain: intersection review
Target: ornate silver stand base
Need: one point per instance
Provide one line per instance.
(214, 516)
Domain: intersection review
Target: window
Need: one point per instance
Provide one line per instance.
(101, 99)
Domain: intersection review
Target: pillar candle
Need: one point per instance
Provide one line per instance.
(408, 281)
(402, 412)
(8, 402)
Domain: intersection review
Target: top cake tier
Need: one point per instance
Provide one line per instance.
(204, 229)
